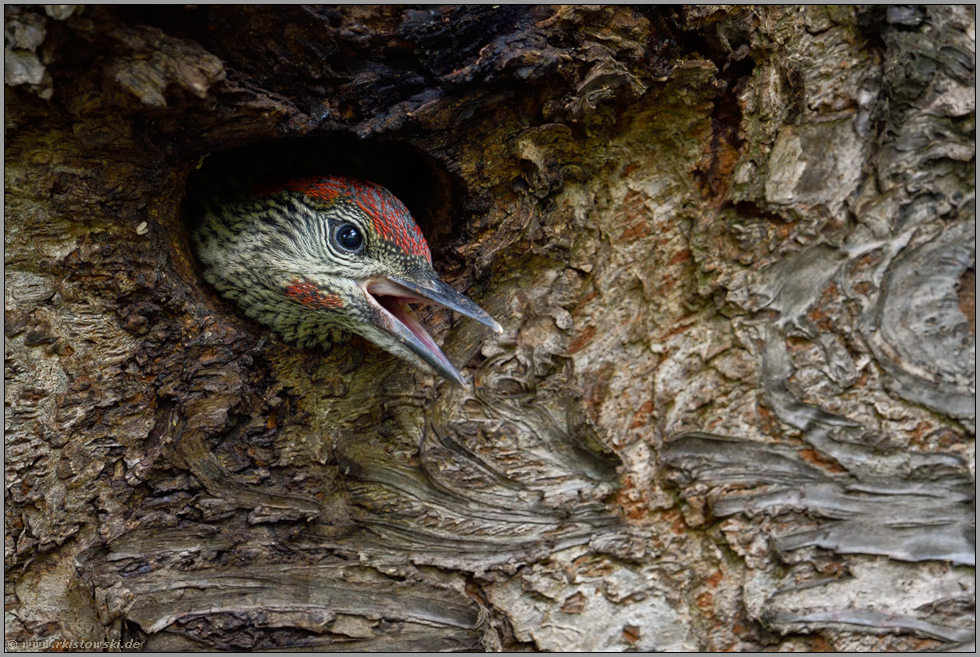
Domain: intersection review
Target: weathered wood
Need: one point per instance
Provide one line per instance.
(733, 250)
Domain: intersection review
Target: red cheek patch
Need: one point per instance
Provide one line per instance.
(310, 295)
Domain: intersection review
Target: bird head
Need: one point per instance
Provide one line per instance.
(322, 255)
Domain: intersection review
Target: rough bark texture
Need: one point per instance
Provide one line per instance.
(733, 250)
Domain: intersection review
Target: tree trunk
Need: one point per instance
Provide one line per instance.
(733, 408)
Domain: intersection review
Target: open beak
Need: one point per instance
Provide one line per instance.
(392, 296)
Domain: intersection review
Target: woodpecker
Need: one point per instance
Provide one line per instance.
(319, 258)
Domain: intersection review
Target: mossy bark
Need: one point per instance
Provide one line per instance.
(733, 408)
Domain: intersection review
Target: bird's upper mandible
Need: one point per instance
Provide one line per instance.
(316, 257)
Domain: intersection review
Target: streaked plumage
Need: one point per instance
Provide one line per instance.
(319, 258)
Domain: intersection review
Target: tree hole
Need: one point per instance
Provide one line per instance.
(415, 179)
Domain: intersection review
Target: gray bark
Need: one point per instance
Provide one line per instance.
(733, 250)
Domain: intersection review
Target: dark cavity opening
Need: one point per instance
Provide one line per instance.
(966, 289)
(414, 178)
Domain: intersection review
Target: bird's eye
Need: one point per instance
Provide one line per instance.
(349, 237)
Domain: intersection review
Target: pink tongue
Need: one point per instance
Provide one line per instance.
(404, 314)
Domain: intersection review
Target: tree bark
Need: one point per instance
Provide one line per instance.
(733, 408)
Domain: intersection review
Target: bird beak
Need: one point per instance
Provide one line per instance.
(392, 296)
